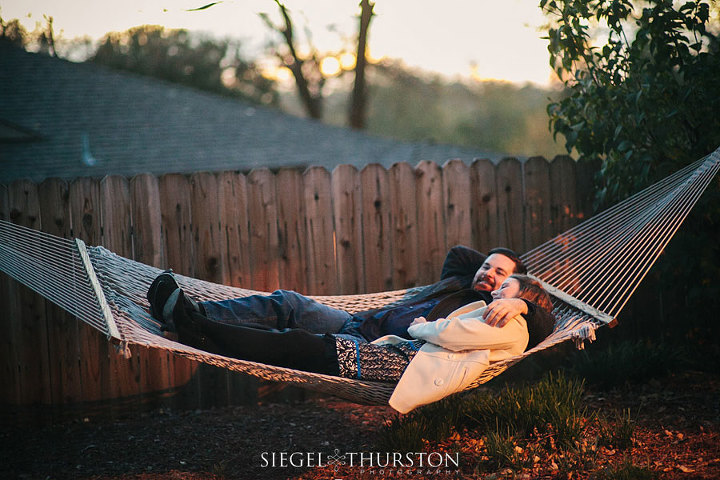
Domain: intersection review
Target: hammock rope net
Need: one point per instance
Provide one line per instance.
(591, 271)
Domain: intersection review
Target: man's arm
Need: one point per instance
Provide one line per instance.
(500, 311)
(461, 261)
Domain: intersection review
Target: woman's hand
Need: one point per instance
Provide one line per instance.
(502, 310)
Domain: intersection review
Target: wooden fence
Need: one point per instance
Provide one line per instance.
(317, 232)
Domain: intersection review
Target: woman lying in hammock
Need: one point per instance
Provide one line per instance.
(443, 357)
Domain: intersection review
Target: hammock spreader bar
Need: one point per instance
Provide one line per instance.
(575, 303)
(112, 329)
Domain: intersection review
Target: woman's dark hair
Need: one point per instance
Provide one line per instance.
(540, 326)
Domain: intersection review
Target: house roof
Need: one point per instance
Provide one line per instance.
(64, 119)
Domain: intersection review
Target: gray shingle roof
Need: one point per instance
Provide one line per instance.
(65, 119)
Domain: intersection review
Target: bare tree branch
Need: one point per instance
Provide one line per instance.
(358, 103)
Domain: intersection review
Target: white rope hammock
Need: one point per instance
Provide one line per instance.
(591, 270)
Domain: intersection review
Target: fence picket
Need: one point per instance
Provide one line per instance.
(86, 224)
(10, 386)
(262, 210)
(431, 223)
(403, 203)
(179, 254)
(63, 334)
(376, 227)
(321, 259)
(147, 248)
(484, 201)
(510, 209)
(291, 230)
(538, 224)
(563, 193)
(347, 213)
(117, 236)
(234, 223)
(27, 320)
(457, 197)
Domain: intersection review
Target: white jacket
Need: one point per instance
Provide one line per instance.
(457, 351)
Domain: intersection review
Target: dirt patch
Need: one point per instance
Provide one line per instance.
(677, 436)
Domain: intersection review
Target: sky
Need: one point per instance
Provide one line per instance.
(483, 39)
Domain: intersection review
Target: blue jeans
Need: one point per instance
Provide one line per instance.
(280, 310)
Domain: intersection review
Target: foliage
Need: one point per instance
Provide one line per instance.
(180, 57)
(643, 100)
(41, 38)
(13, 32)
(643, 81)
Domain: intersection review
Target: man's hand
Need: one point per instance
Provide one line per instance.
(418, 321)
(502, 310)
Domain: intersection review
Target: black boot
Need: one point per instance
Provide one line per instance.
(160, 291)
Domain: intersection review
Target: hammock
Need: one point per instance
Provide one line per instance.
(590, 271)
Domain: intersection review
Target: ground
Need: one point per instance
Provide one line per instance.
(677, 436)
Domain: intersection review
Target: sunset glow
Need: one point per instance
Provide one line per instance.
(466, 38)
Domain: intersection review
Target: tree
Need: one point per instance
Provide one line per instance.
(358, 105)
(13, 33)
(643, 101)
(177, 56)
(42, 37)
(309, 78)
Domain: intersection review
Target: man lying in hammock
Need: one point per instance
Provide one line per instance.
(440, 357)
(467, 276)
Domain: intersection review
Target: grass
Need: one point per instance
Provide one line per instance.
(512, 427)
(550, 407)
(618, 432)
(502, 451)
(625, 471)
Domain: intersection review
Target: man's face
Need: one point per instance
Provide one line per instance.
(493, 272)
